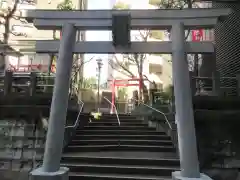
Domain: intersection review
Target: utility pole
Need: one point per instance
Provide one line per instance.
(99, 66)
(80, 57)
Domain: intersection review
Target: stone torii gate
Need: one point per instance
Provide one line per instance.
(70, 21)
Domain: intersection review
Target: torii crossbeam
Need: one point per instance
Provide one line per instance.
(176, 20)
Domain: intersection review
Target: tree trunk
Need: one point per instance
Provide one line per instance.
(140, 72)
(50, 64)
(146, 98)
(197, 82)
(196, 65)
(52, 55)
(46, 88)
(5, 42)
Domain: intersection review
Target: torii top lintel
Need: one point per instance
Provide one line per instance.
(140, 19)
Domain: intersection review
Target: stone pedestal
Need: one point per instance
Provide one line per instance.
(177, 176)
(39, 174)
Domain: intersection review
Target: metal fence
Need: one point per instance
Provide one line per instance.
(214, 86)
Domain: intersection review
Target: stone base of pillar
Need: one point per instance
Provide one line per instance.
(177, 176)
(39, 174)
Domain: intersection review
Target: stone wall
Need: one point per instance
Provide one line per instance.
(21, 148)
(228, 44)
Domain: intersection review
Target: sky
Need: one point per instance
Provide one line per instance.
(90, 68)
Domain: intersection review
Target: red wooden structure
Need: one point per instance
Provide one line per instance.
(197, 35)
(123, 83)
(30, 67)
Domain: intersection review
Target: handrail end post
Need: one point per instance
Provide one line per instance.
(111, 112)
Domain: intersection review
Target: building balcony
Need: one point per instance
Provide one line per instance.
(155, 69)
(8, 50)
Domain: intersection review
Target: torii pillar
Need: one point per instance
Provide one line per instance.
(184, 109)
(51, 169)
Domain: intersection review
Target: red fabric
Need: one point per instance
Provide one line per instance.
(197, 35)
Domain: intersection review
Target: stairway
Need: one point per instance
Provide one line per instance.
(103, 150)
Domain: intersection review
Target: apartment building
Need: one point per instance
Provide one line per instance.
(97, 35)
(156, 68)
(23, 35)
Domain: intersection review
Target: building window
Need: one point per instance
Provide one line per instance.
(159, 86)
(28, 2)
(21, 30)
(3, 4)
(157, 34)
(155, 69)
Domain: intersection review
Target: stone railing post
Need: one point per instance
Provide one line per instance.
(238, 84)
(193, 83)
(216, 83)
(33, 84)
(8, 82)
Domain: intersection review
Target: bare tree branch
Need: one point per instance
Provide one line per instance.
(176, 4)
(117, 64)
(7, 16)
(130, 58)
(147, 79)
(10, 14)
(16, 17)
(78, 67)
(124, 65)
(2, 14)
(118, 70)
(144, 35)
